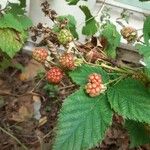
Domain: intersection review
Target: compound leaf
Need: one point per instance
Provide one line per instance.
(113, 38)
(11, 41)
(91, 25)
(130, 99)
(146, 30)
(25, 21)
(71, 24)
(144, 50)
(80, 74)
(82, 122)
(139, 133)
(16, 8)
(9, 21)
(73, 2)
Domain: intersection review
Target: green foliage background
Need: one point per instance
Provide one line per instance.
(13, 28)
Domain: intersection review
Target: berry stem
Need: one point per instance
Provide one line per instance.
(51, 62)
(115, 80)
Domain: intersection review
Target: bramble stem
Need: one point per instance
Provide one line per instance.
(121, 70)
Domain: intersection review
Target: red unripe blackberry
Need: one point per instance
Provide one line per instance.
(67, 61)
(95, 86)
(95, 78)
(40, 54)
(93, 89)
(54, 75)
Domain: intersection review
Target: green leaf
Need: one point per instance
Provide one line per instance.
(11, 41)
(138, 132)
(25, 22)
(7, 62)
(4, 64)
(9, 21)
(91, 26)
(23, 3)
(130, 99)
(112, 36)
(71, 24)
(146, 30)
(23, 36)
(14, 17)
(51, 90)
(147, 72)
(82, 122)
(16, 8)
(144, 50)
(18, 66)
(144, 0)
(73, 2)
(80, 74)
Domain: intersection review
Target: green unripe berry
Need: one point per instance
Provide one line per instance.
(65, 37)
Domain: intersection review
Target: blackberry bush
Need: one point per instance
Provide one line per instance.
(104, 88)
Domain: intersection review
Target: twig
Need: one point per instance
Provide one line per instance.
(66, 87)
(45, 136)
(139, 38)
(41, 142)
(38, 83)
(49, 133)
(12, 136)
(27, 93)
(101, 9)
(7, 93)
